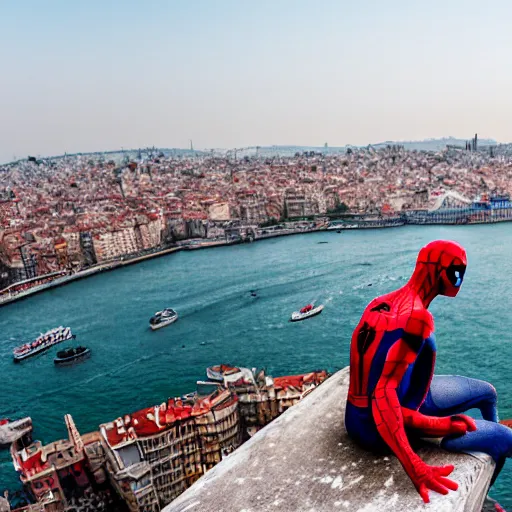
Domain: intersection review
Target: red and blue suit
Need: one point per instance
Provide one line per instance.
(394, 395)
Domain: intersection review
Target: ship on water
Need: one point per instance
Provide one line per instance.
(162, 318)
(306, 312)
(71, 355)
(42, 343)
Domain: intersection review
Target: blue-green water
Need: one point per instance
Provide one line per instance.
(132, 367)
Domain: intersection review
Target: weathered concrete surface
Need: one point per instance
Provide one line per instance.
(4, 505)
(304, 461)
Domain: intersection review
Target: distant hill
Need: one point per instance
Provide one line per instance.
(135, 154)
(420, 145)
(119, 156)
(435, 144)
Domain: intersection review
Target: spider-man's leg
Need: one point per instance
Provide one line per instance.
(492, 438)
(452, 394)
(361, 428)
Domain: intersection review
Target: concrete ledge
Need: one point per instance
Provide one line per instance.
(304, 461)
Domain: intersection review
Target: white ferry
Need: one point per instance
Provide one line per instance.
(162, 318)
(42, 343)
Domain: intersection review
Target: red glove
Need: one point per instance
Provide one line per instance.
(460, 424)
(438, 427)
(425, 478)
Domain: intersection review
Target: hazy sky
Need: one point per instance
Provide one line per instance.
(99, 74)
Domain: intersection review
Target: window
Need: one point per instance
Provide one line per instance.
(129, 455)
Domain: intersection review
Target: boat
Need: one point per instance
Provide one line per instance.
(306, 312)
(162, 318)
(218, 372)
(71, 355)
(11, 431)
(42, 343)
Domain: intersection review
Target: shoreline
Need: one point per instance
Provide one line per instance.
(109, 266)
(113, 265)
(82, 274)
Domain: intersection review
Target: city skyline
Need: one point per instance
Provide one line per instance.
(105, 76)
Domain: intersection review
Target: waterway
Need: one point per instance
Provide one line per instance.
(132, 367)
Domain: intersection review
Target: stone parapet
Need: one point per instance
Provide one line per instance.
(304, 461)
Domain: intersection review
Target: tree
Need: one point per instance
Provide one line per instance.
(271, 222)
(340, 207)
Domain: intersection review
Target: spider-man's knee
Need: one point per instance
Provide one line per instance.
(483, 390)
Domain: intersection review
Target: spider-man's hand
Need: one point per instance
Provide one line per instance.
(460, 424)
(425, 478)
(432, 426)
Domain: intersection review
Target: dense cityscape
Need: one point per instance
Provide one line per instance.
(142, 461)
(74, 212)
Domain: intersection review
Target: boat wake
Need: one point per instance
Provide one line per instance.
(272, 288)
(78, 384)
(269, 327)
(379, 280)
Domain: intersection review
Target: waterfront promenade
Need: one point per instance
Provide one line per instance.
(104, 267)
(187, 245)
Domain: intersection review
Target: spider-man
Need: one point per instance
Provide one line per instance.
(393, 395)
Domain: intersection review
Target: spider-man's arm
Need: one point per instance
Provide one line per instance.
(387, 413)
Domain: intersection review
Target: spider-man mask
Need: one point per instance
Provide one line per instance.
(441, 266)
(451, 279)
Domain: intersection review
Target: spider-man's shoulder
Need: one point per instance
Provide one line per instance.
(418, 322)
(380, 313)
